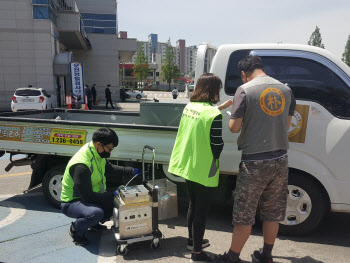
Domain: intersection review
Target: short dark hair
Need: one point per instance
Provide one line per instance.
(94, 85)
(105, 136)
(108, 85)
(207, 89)
(250, 63)
(87, 85)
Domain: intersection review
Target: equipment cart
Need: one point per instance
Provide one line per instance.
(135, 214)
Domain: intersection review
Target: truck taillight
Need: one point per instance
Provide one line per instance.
(14, 99)
(41, 99)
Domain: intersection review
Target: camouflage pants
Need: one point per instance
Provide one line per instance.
(264, 184)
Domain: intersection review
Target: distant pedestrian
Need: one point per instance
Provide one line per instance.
(122, 94)
(108, 93)
(88, 97)
(175, 93)
(94, 94)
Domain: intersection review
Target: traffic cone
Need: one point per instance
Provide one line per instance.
(86, 105)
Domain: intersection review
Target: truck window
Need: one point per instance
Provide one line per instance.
(310, 80)
(233, 76)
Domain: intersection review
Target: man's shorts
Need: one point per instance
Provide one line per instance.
(264, 184)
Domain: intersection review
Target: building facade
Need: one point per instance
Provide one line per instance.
(185, 57)
(39, 39)
(191, 56)
(181, 55)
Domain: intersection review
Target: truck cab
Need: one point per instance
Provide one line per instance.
(319, 135)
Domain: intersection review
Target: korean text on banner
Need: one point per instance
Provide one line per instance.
(77, 76)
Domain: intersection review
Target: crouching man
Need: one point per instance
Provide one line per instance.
(84, 195)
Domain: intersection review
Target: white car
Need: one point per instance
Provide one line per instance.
(31, 99)
(133, 94)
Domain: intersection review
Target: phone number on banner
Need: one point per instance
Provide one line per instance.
(68, 137)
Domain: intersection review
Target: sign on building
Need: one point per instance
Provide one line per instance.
(77, 76)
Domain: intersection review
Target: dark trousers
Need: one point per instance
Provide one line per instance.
(109, 101)
(90, 104)
(87, 215)
(94, 100)
(174, 97)
(200, 199)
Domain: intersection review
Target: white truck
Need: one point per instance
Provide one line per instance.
(319, 179)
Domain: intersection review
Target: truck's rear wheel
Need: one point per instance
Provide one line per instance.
(306, 206)
(52, 185)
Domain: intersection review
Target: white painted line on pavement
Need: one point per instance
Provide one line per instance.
(16, 212)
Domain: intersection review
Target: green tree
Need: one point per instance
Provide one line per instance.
(141, 67)
(316, 39)
(169, 70)
(346, 54)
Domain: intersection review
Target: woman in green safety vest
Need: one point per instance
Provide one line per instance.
(84, 195)
(195, 157)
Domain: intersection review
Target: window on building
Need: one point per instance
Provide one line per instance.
(157, 74)
(41, 12)
(100, 23)
(44, 9)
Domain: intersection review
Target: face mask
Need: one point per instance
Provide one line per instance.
(105, 154)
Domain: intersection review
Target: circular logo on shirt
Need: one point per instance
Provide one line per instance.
(272, 101)
(296, 125)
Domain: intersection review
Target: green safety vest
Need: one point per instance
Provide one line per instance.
(86, 155)
(192, 157)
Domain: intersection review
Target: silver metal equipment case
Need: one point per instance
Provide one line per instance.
(135, 214)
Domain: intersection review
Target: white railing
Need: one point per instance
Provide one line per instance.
(65, 5)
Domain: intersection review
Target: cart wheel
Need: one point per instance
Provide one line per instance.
(122, 250)
(155, 243)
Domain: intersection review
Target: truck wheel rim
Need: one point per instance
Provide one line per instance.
(299, 206)
(55, 187)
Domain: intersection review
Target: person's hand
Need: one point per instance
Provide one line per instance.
(137, 172)
(225, 105)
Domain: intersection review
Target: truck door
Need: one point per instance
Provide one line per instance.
(319, 135)
(205, 55)
(322, 91)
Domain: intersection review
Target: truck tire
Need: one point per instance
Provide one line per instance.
(52, 185)
(306, 206)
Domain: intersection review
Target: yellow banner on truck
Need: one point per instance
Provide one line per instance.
(42, 135)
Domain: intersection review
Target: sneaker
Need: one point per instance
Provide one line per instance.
(224, 258)
(201, 258)
(98, 228)
(205, 243)
(257, 258)
(77, 240)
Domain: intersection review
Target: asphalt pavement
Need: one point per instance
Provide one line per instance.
(32, 231)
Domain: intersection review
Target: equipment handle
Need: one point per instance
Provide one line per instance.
(149, 147)
(143, 162)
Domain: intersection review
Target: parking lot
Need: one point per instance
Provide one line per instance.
(32, 231)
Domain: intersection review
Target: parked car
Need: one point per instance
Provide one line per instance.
(133, 94)
(31, 99)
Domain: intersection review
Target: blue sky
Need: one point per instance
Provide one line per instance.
(231, 22)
